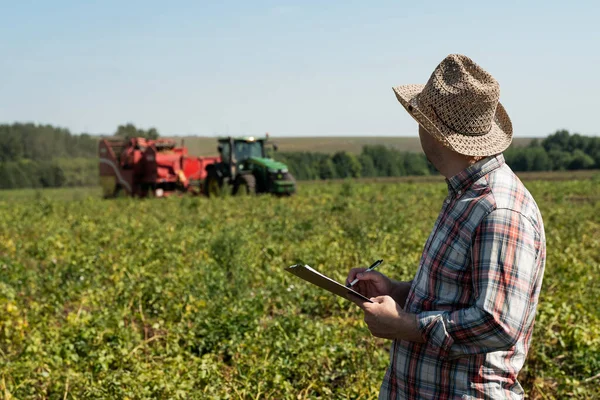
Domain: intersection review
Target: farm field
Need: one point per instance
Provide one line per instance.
(187, 297)
(205, 146)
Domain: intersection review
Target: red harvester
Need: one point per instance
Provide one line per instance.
(141, 167)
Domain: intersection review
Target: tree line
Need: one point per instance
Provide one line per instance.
(557, 152)
(38, 156)
(373, 161)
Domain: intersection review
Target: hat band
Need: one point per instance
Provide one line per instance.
(453, 128)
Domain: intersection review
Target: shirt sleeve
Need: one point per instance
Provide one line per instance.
(504, 270)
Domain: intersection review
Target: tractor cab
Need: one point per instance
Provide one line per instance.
(246, 167)
(235, 151)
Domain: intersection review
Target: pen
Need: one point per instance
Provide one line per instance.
(371, 268)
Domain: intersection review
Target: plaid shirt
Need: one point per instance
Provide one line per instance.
(475, 293)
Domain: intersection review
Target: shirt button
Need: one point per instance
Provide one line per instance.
(459, 192)
(447, 201)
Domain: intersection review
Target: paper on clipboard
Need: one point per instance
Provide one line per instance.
(316, 278)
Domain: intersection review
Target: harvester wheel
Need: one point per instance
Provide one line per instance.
(121, 192)
(118, 192)
(213, 186)
(244, 185)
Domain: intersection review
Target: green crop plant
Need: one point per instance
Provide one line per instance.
(187, 298)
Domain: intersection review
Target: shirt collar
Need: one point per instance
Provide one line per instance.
(464, 179)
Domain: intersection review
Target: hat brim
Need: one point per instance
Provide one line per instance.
(493, 142)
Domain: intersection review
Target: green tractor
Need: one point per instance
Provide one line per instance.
(246, 169)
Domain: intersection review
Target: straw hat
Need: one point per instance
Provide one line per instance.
(459, 107)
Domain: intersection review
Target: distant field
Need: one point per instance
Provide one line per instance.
(204, 146)
(67, 193)
(83, 193)
(554, 176)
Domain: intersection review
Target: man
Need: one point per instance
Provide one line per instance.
(462, 327)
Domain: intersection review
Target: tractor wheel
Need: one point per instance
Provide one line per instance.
(245, 185)
(213, 187)
(289, 178)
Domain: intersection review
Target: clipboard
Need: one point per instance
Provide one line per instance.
(316, 278)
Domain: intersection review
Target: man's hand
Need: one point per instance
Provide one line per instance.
(386, 319)
(371, 283)
(374, 284)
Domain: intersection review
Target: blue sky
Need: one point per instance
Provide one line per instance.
(288, 67)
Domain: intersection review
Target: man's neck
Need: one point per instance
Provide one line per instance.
(452, 163)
